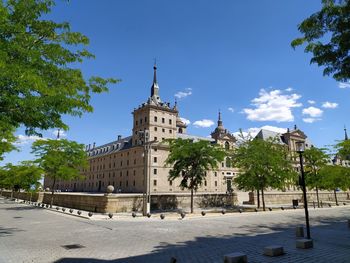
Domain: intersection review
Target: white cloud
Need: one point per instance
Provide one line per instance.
(273, 106)
(329, 105)
(311, 101)
(183, 94)
(289, 89)
(24, 139)
(231, 109)
(312, 112)
(311, 120)
(62, 133)
(344, 85)
(203, 123)
(186, 121)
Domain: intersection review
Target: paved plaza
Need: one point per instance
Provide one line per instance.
(31, 234)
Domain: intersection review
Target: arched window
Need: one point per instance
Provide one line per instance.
(228, 162)
(180, 130)
(227, 146)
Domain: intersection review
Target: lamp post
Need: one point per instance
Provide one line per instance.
(144, 140)
(300, 149)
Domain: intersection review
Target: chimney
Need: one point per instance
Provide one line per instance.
(89, 147)
(93, 146)
(119, 137)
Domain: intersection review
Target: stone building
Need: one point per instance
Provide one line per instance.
(337, 160)
(123, 162)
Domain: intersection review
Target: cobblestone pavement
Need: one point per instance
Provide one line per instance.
(31, 234)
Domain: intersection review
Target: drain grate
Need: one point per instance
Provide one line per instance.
(17, 217)
(73, 246)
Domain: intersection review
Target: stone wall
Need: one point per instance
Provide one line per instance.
(34, 197)
(287, 197)
(101, 203)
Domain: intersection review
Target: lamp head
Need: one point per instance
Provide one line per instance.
(300, 146)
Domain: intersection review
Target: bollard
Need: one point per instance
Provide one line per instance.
(240, 210)
(236, 257)
(270, 209)
(162, 216)
(183, 214)
(79, 212)
(70, 210)
(133, 214)
(223, 211)
(110, 215)
(173, 260)
(282, 208)
(273, 251)
(148, 215)
(63, 209)
(90, 214)
(203, 213)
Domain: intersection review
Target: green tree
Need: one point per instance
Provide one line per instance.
(314, 160)
(60, 159)
(7, 138)
(191, 160)
(39, 76)
(24, 176)
(334, 177)
(263, 164)
(326, 34)
(343, 149)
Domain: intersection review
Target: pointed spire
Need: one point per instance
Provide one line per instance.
(58, 133)
(219, 119)
(155, 71)
(346, 134)
(155, 88)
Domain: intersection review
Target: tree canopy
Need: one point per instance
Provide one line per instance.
(263, 164)
(39, 77)
(326, 34)
(24, 176)
(314, 160)
(191, 161)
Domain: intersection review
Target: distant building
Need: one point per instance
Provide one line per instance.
(337, 160)
(122, 163)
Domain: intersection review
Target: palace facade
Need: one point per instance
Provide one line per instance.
(123, 162)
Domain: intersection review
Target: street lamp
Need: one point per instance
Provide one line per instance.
(300, 145)
(144, 140)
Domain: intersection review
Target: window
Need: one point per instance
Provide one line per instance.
(155, 128)
(134, 172)
(145, 119)
(170, 131)
(121, 163)
(140, 121)
(222, 164)
(154, 182)
(170, 121)
(216, 183)
(155, 119)
(170, 183)
(205, 183)
(155, 138)
(136, 123)
(228, 162)
(120, 183)
(127, 162)
(163, 120)
(163, 130)
(134, 183)
(134, 161)
(127, 183)
(154, 171)
(155, 159)
(121, 174)
(215, 173)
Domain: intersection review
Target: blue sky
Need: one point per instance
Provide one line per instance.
(229, 55)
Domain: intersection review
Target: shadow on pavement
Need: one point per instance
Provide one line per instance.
(8, 231)
(330, 242)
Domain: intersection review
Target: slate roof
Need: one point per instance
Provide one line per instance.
(115, 146)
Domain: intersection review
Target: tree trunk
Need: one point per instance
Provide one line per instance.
(191, 200)
(318, 199)
(30, 199)
(263, 198)
(258, 197)
(52, 191)
(12, 194)
(335, 196)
